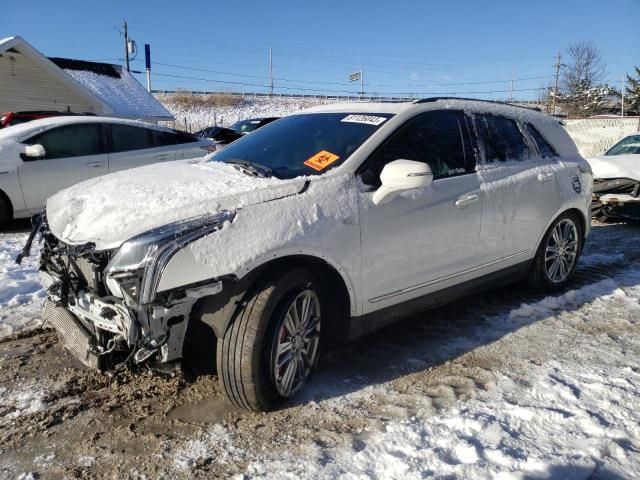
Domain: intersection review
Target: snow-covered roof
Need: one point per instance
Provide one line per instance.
(112, 89)
(360, 107)
(23, 129)
(115, 86)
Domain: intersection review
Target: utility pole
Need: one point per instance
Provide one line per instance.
(126, 45)
(624, 85)
(270, 71)
(555, 92)
(147, 61)
(361, 81)
(513, 74)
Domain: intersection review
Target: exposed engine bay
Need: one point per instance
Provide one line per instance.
(105, 328)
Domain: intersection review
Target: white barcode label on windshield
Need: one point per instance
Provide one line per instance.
(368, 119)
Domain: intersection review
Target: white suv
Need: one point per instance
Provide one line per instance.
(323, 225)
(39, 158)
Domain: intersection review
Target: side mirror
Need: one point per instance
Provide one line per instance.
(401, 175)
(33, 152)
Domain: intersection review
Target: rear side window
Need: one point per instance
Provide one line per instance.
(70, 141)
(500, 138)
(433, 137)
(163, 139)
(545, 149)
(128, 137)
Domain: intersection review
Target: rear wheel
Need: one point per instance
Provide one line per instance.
(271, 347)
(558, 253)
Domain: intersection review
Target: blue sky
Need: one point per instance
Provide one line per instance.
(423, 48)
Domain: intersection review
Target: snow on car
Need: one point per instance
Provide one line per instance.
(326, 224)
(616, 184)
(43, 156)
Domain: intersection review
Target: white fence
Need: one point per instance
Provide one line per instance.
(593, 136)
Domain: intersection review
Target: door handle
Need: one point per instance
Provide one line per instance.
(466, 200)
(95, 164)
(161, 156)
(545, 177)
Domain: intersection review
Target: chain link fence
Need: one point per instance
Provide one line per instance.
(593, 136)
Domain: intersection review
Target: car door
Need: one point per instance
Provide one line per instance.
(133, 146)
(519, 190)
(73, 153)
(423, 238)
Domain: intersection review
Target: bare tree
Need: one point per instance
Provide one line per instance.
(582, 76)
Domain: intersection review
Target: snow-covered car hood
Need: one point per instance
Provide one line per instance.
(111, 209)
(616, 166)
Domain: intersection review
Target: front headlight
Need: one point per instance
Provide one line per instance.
(136, 267)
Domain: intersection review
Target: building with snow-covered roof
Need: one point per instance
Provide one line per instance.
(31, 81)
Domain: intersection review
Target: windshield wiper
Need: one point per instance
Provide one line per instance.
(250, 168)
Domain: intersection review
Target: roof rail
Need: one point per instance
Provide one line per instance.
(435, 99)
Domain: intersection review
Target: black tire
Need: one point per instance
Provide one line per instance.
(244, 353)
(6, 213)
(539, 276)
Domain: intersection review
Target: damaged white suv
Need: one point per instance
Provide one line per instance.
(323, 225)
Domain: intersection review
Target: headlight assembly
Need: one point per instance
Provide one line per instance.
(138, 264)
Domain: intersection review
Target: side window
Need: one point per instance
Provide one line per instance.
(71, 141)
(128, 137)
(500, 138)
(433, 137)
(545, 149)
(163, 139)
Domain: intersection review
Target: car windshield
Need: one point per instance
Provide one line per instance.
(306, 144)
(626, 146)
(245, 126)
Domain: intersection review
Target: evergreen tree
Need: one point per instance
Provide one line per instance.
(632, 92)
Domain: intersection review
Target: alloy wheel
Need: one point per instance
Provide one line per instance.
(561, 250)
(295, 347)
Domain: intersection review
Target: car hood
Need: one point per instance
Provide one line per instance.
(111, 209)
(616, 166)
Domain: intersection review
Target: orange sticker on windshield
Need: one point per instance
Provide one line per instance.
(321, 160)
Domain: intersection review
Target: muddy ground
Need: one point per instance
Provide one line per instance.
(60, 420)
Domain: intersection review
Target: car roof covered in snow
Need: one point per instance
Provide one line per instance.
(360, 107)
(23, 129)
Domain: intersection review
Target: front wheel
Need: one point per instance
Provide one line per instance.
(272, 345)
(558, 254)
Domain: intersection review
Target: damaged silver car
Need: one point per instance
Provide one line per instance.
(616, 181)
(322, 226)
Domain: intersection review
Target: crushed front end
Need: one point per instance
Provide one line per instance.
(105, 304)
(616, 198)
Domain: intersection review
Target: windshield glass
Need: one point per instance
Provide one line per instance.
(306, 144)
(626, 146)
(245, 126)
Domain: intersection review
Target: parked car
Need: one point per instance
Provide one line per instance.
(251, 124)
(329, 224)
(43, 156)
(616, 183)
(7, 119)
(220, 135)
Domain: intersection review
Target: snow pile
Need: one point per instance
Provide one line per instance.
(215, 445)
(21, 400)
(113, 208)
(21, 294)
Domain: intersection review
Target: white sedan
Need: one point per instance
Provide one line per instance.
(616, 176)
(39, 158)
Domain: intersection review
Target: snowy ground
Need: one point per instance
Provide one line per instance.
(509, 384)
(197, 118)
